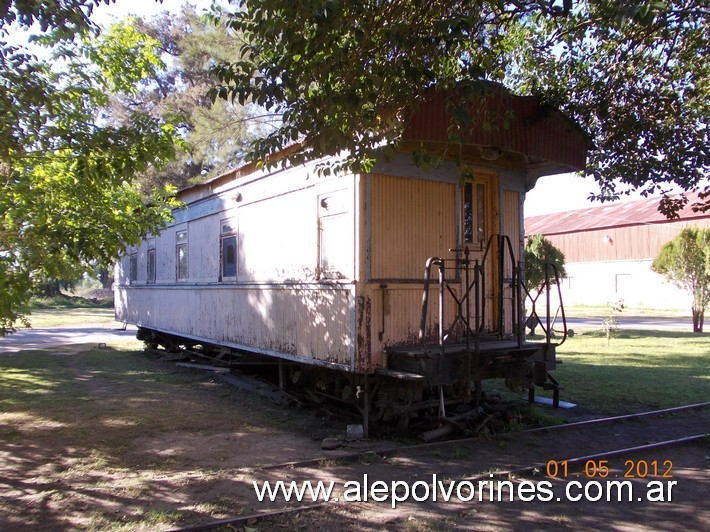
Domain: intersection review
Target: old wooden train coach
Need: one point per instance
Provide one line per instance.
(392, 289)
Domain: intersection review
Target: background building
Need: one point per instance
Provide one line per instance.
(609, 250)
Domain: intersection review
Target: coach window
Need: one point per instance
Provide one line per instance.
(474, 214)
(181, 254)
(334, 236)
(150, 278)
(151, 265)
(133, 268)
(229, 250)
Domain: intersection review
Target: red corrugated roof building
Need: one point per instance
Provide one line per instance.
(609, 250)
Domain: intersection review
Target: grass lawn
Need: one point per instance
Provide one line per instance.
(70, 316)
(588, 311)
(95, 388)
(69, 310)
(64, 301)
(635, 370)
(117, 428)
(83, 435)
(115, 439)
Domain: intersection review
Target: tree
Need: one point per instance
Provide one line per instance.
(544, 263)
(63, 18)
(539, 254)
(215, 133)
(628, 73)
(685, 261)
(341, 76)
(67, 195)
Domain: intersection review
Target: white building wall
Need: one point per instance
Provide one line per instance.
(598, 283)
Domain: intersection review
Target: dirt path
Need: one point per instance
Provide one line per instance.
(91, 334)
(114, 439)
(683, 478)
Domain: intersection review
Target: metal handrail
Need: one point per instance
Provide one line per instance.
(425, 295)
(474, 282)
(547, 326)
(477, 287)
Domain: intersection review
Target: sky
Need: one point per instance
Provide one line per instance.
(103, 14)
(557, 193)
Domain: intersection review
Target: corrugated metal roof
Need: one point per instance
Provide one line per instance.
(524, 127)
(617, 214)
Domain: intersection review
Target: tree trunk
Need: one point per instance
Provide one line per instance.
(698, 319)
(49, 288)
(105, 277)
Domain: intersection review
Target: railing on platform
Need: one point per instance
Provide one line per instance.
(464, 279)
(548, 325)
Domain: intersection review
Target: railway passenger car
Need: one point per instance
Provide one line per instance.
(395, 290)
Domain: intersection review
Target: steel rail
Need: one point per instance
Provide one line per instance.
(614, 419)
(423, 446)
(491, 475)
(596, 456)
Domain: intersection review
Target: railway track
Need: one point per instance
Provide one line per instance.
(585, 449)
(395, 449)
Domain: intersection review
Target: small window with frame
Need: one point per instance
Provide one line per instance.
(151, 265)
(335, 236)
(474, 214)
(181, 255)
(228, 250)
(133, 268)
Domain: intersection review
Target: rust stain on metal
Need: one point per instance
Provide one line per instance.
(364, 334)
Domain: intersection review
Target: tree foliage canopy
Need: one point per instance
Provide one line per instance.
(62, 18)
(67, 194)
(685, 261)
(539, 252)
(633, 75)
(214, 134)
(340, 74)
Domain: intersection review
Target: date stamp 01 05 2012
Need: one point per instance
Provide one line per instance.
(594, 469)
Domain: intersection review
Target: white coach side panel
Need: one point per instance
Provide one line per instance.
(295, 322)
(288, 290)
(203, 249)
(278, 238)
